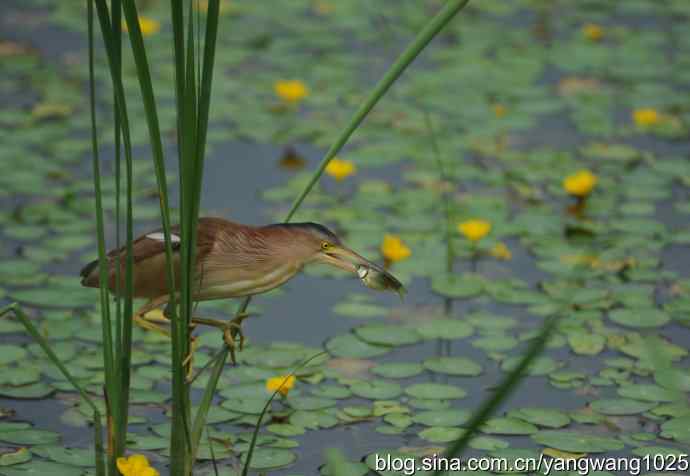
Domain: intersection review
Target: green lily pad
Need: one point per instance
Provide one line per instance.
(397, 369)
(540, 366)
(18, 456)
(359, 309)
(620, 406)
(442, 417)
(547, 417)
(11, 353)
(677, 429)
(349, 346)
(309, 403)
(459, 287)
(380, 334)
(71, 456)
(495, 343)
(376, 390)
(453, 366)
(34, 390)
(435, 391)
(576, 442)
(441, 434)
(449, 329)
(586, 344)
(29, 437)
(648, 392)
(271, 458)
(508, 426)
(643, 318)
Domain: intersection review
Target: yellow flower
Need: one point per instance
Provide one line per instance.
(136, 465)
(581, 183)
(501, 251)
(500, 110)
(340, 169)
(646, 117)
(393, 248)
(148, 26)
(282, 383)
(291, 91)
(593, 32)
(475, 229)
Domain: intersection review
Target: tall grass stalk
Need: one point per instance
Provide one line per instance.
(502, 392)
(423, 38)
(193, 77)
(38, 337)
(117, 355)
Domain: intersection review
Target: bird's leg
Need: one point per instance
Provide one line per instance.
(148, 323)
(230, 329)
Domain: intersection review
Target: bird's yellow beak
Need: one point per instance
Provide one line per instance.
(344, 258)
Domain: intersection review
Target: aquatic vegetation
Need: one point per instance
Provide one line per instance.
(136, 465)
(340, 169)
(613, 371)
(580, 184)
(291, 91)
(148, 26)
(474, 229)
(282, 384)
(593, 32)
(646, 117)
(394, 249)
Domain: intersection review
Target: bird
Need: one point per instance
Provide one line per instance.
(232, 260)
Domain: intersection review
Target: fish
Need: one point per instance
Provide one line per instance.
(380, 279)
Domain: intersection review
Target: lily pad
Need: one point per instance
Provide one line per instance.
(621, 406)
(453, 366)
(349, 346)
(435, 391)
(376, 390)
(637, 317)
(380, 334)
(576, 442)
(508, 426)
(397, 369)
(547, 417)
(449, 329)
(271, 458)
(442, 417)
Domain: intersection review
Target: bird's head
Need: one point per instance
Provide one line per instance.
(322, 246)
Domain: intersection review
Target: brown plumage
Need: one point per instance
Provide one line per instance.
(232, 259)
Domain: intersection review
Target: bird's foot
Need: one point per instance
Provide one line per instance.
(233, 329)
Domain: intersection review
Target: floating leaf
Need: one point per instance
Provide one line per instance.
(435, 391)
(576, 442)
(453, 366)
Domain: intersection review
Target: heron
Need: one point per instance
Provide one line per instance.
(232, 260)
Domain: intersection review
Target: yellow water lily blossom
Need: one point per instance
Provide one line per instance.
(581, 183)
(500, 110)
(340, 169)
(291, 91)
(393, 248)
(593, 32)
(136, 465)
(282, 383)
(646, 117)
(475, 229)
(148, 26)
(501, 251)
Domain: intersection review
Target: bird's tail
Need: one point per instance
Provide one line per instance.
(86, 273)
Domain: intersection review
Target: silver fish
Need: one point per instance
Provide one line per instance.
(379, 279)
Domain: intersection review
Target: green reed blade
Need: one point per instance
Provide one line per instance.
(411, 52)
(207, 400)
(38, 337)
(509, 383)
(435, 25)
(255, 434)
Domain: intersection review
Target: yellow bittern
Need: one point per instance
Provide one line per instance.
(232, 260)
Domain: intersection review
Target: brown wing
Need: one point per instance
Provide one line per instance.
(148, 255)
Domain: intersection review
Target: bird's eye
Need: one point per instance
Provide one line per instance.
(325, 245)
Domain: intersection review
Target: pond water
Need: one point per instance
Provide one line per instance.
(521, 95)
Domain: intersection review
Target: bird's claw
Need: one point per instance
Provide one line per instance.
(232, 330)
